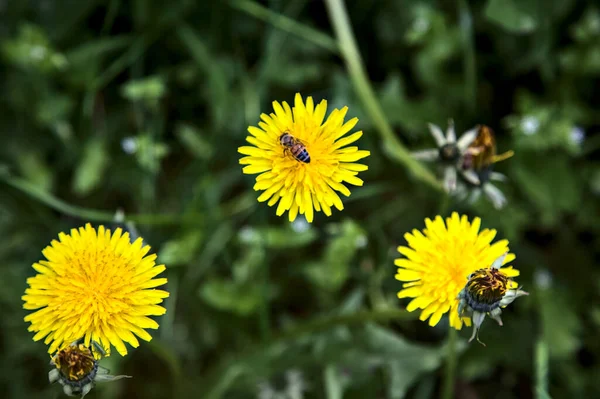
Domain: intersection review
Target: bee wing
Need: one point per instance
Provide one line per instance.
(300, 141)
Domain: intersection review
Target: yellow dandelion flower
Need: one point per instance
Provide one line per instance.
(97, 286)
(439, 261)
(301, 160)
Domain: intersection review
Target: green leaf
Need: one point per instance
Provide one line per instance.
(277, 237)
(510, 15)
(334, 383)
(217, 80)
(249, 264)
(148, 90)
(332, 271)
(149, 152)
(86, 60)
(540, 126)
(32, 49)
(560, 325)
(194, 140)
(588, 27)
(92, 167)
(407, 361)
(91, 51)
(35, 170)
(181, 250)
(54, 108)
(242, 299)
(548, 182)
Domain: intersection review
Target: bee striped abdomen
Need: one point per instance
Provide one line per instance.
(294, 147)
(300, 153)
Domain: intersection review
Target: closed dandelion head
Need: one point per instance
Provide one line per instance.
(302, 161)
(487, 291)
(94, 286)
(438, 261)
(76, 368)
(448, 153)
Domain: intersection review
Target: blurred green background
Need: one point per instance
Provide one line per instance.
(139, 106)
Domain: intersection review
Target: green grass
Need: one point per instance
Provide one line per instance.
(253, 297)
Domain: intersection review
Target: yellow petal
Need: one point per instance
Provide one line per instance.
(408, 275)
(354, 156)
(253, 169)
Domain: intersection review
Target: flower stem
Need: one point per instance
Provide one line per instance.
(237, 205)
(469, 63)
(541, 369)
(286, 24)
(451, 360)
(264, 311)
(343, 31)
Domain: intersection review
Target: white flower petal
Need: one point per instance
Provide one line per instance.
(450, 179)
(471, 177)
(437, 134)
(450, 132)
(466, 139)
(428, 155)
(86, 389)
(497, 176)
(68, 390)
(478, 318)
(495, 314)
(499, 261)
(495, 195)
(511, 295)
(53, 375)
(475, 194)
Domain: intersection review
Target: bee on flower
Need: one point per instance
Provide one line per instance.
(302, 159)
(487, 291)
(76, 368)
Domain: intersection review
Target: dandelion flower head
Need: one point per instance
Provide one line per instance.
(438, 261)
(309, 182)
(97, 286)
